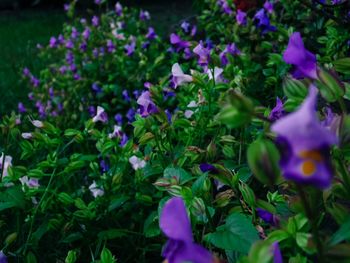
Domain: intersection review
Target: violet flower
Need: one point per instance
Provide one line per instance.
(101, 115)
(178, 43)
(96, 88)
(278, 111)
(21, 108)
(263, 22)
(185, 26)
(95, 21)
(147, 106)
(118, 118)
(175, 224)
(178, 76)
(7, 164)
(53, 42)
(305, 145)
(276, 253)
(29, 182)
(216, 75)
(206, 167)
(86, 33)
(95, 190)
(268, 6)
(231, 49)
(110, 46)
(189, 112)
(118, 9)
(303, 60)
(241, 17)
(144, 15)
(203, 54)
(267, 217)
(130, 48)
(151, 34)
(130, 115)
(3, 258)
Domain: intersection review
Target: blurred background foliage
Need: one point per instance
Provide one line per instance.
(26, 23)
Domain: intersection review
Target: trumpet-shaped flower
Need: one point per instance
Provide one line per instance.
(216, 75)
(305, 145)
(303, 60)
(5, 164)
(179, 77)
(95, 190)
(241, 17)
(175, 224)
(203, 53)
(263, 22)
(101, 115)
(278, 111)
(30, 182)
(3, 258)
(188, 113)
(147, 106)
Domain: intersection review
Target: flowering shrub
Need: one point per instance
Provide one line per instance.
(228, 141)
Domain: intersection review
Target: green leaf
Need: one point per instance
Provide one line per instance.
(238, 234)
(179, 173)
(151, 225)
(111, 234)
(342, 65)
(106, 256)
(342, 234)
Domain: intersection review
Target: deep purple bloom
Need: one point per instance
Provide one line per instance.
(69, 44)
(263, 22)
(118, 9)
(104, 166)
(278, 111)
(96, 88)
(268, 6)
(145, 45)
(267, 217)
(3, 258)
(241, 17)
(130, 48)
(98, 2)
(126, 96)
(185, 26)
(230, 49)
(203, 53)
(35, 82)
(151, 34)
(66, 7)
(305, 145)
(194, 30)
(225, 7)
(276, 253)
(175, 224)
(86, 33)
(74, 33)
(147, 106)
(26, 72)
(178, 43)
(303, 60)
(130, 115)
(83, 47)
(92, 111)
(21, 108)
(206, 167)
(69, 57)
(118, 118)
(53, 42)
(60, 39)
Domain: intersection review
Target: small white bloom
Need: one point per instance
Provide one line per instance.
(38, 124)
(137, 163)
(95, 190)
(27, 135)
(7, 163)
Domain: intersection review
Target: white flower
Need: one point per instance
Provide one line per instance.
(38, 124)
(95, 190)
(27, 135)
(217, 74)
(7, 163)
(137, 163)
(189, 113)
(179, 77)
(117, 132)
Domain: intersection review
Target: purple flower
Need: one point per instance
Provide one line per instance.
(126, 96)
(66, 7)
(86, 33)
(203, 53)
(268, 6)
(305, 145)
(96, 88)
(118, 9)
(63, 69)
(130, 48)
(178, 76)
(145, 45)
(21, 108)
(69, 44)
(178, 43)
(278, 111)
(98, 2)
(175, 224)
(101, 115)
(95, 21)
(60, 39)
(267, 217)
(241, 17)
(30, 182)
(104, 166)
(53, 42)
(225, 7)
(263, 22)
(26, 72)
(276, 253)
(118, 118)
(3, 258)
(230, 49)
(144, 15)
(35, 82)
(147, 106)
(206, 167)
(74, 33)
(110, 46)
(137, 163)
(151, 34)
(130, 115)
(303, 60)
(185, 26)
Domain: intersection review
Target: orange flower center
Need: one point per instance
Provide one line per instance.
(310, 160)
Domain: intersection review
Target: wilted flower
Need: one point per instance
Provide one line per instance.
(241, 17)
(178, 76)
(101, 115)
(137, 163)
(175, 224)
(302, 59)
(147, 106)
(95, 190)
(305, 145)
